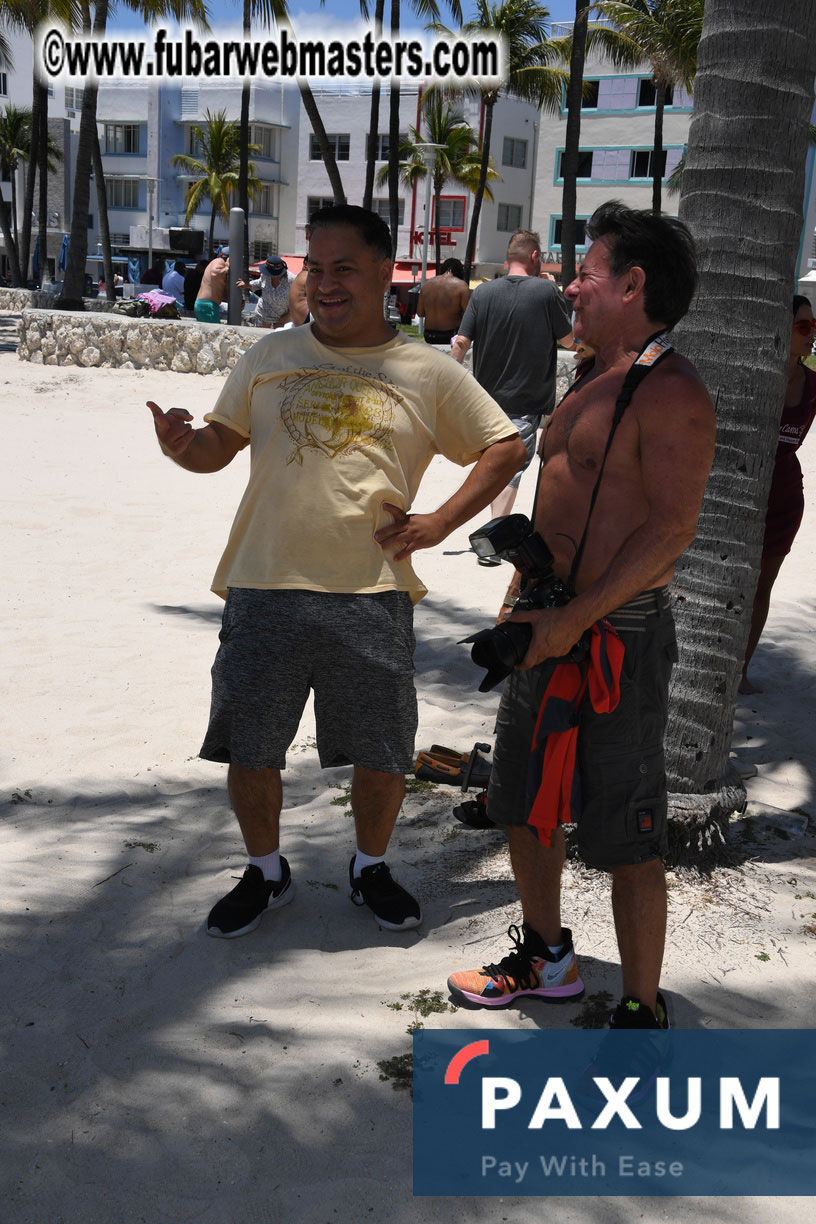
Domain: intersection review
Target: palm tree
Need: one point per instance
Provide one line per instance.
(524, 25)
(457, 160)
(94, 22)
(216, 169)
(266, 11)
(15, 142)
(663, 33)
(572, 140)
(742, 195)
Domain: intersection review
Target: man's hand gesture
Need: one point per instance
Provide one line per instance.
(173, 429)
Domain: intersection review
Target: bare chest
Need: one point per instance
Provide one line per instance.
(579, 429)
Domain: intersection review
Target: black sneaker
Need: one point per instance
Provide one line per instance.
(241, 910)
(632, 1014)
(393, 907)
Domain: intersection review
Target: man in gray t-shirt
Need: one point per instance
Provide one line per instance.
(514, 323)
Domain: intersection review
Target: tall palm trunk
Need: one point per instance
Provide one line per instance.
(39, 103)
(748, 219)
(326, 151)
(13, 177)
(572, 142)
(243, 155)
(480, 188)
(374, 117)
(8, 239)
(42, 184)
(437, 236)
(393, 138)
(657, 154)
(74, 281)
(104, 227)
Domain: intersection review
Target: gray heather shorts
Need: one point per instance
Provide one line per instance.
(354, 651)
(624, 803)
(528, 428)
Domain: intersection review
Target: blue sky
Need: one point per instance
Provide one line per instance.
(227, 13)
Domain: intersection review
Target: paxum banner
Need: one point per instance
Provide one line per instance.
(617, 1112)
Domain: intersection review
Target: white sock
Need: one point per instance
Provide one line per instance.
(269, 864)
(555, 951)
(366, 860)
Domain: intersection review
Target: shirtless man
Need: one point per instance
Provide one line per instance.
(213, 289)
(442, 303)
(637, 280)
(298, 306)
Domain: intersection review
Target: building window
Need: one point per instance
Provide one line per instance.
(50, 90)
(122, 193)
(451, 215)
(3, 84)
(384, 144)
(339, 141)
(580, 232)
(193, 143)
(267, 138)
(675, 95)
(261, 248)
(509, 218)
(584, 164)
(514, 153)
(590, 98)
(118, 240)
(73, 98)
(122, 137)
(642, 163)
(382, 207)
(315, 203)
(265, 202)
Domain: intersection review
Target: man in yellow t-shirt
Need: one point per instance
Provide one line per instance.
(343, 418)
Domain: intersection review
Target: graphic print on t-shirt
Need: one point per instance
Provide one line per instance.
(337, 411)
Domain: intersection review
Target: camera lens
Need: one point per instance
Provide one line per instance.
(503, 646)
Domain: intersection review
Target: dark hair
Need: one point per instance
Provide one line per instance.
(455, 266)
(798, 302)
(371, 228)
(661, 246)
(180, 266)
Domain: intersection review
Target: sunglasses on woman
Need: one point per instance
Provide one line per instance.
(805, 326)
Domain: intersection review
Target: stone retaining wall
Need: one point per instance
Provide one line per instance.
(92, 338)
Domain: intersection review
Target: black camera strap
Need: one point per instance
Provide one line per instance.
(656, 348)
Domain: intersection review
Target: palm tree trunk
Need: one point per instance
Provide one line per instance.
(374, 117)
(742, 217)
(489, 103)
(657, 153)
(42, 184)
(104, 227)
(212, 231)
(437, 235)
(326, 151)
(13, 177)
(8, 239)
(393, 138)
(243, 155)
(39, 99)
(74, 281)
(572, 142)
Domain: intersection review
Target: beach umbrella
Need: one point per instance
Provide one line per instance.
(63, 255)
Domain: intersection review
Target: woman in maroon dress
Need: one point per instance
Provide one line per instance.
(786, 500)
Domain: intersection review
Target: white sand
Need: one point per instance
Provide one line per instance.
(154, 1074)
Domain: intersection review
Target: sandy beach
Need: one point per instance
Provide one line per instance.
(153, 1074)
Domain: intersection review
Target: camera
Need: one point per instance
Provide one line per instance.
(502, 647)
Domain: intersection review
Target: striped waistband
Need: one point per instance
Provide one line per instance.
(634, 616)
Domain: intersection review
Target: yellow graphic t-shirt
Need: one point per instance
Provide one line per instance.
(333, 434)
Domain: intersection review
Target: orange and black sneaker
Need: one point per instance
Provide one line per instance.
(531, 970)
